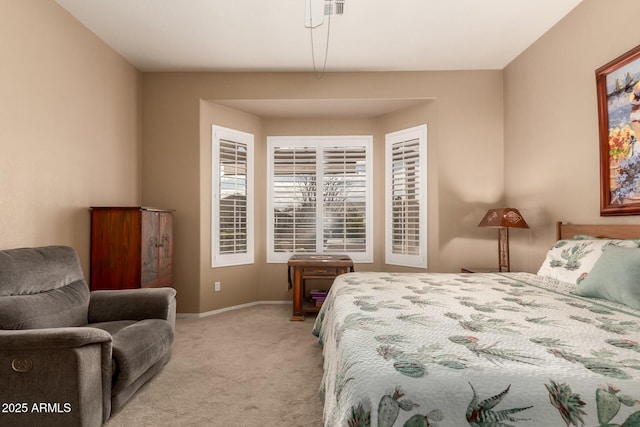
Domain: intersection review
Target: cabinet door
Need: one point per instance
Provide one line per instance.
(165, 252)
(150, 232)
(115, 249)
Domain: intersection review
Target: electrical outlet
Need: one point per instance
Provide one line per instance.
(216, 287)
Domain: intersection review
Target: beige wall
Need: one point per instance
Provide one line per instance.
(239, 285)
(69, 127)
(465, 122)
(551, 123)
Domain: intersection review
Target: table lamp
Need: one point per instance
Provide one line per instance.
(503, 219)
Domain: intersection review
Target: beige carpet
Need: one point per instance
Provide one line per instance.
(247, 367)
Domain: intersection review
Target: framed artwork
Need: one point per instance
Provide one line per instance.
(618, 89)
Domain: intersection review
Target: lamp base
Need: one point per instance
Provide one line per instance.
(503, 249)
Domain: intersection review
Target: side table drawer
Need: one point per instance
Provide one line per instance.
(309, 272)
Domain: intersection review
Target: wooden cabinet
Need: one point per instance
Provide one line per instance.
(131, 247)
(314, 267)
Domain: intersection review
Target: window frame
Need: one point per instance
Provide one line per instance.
(238, 137)
(418, 260)
(321, 142)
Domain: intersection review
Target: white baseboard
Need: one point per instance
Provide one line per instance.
(222, 310)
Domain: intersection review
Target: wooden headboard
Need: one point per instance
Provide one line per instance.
(612, 231)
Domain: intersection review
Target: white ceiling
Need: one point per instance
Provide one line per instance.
(270, 35)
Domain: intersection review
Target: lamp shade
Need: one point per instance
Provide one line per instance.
(504, 217)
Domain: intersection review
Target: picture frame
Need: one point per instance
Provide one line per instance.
(618, 92)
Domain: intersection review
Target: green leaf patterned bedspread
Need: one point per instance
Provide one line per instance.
(503, 349)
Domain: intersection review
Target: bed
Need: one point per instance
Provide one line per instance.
(490, 349)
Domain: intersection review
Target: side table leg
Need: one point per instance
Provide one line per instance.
(297, 294)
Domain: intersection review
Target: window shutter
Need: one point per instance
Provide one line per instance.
(406, 197)
(294, 196)
(232, 197)
(405, 193)
(320, 196)
(344, 193)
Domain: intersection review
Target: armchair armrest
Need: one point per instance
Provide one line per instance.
(70, 366)
(54, 338)
(133, 304)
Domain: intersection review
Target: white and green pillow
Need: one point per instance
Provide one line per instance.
(571, 260)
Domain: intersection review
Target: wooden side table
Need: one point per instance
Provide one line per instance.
(314, 267)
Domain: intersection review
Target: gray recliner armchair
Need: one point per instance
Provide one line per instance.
(68, 356)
